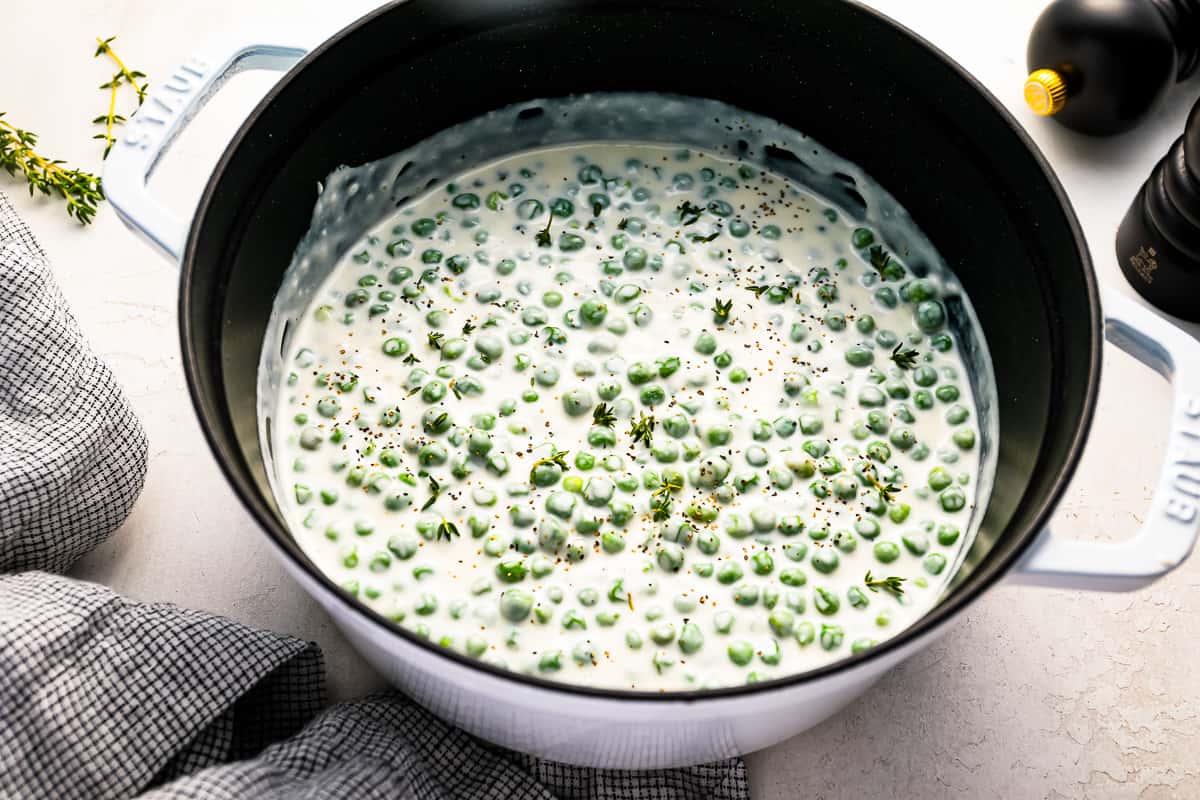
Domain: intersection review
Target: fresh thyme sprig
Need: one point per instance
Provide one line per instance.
(904, 359)
(123, 76)
(604, 416)
(689, 212)
(879, 258)
(762, 289)
(435, 339)
(435, 491)
(81, 190)
(660, 507)
(886, 491)
(892, 585)
(543, 236)
(887, 267)
(447, 530)
(721, 309)
(660, 498)
(706, 239)
(468, 327)
(643, 429)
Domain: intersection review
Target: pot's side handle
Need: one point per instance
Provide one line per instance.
(1173, 521)
(149, 133)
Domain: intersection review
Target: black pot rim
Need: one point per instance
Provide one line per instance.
(990, 572)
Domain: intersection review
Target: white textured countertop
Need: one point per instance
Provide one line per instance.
(1035, 693)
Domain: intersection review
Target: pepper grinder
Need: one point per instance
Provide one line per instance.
(1099, 66)
(1158, 242)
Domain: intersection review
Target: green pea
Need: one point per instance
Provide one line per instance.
(663, 634)
(825, 560)
(952, 499)
(706, 344)
(934, 563)
(886, 552)
(653, 395)
(859, 356)
(956, 415)
(740, 653)
(947, 535)
(832, 636)
(964, 438)
(810, 424)
(939, 479)
(825, 601)
(593, 312)
(867, 528)
(612, 542)
(577, 401)
(782, 623)
(729, 572)
(902, 438)
(763, 563)
(930, 315)
(737, 526)
(515, 604)
(691, 639)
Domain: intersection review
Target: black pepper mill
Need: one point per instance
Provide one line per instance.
(1158, 242)
(1099, 66)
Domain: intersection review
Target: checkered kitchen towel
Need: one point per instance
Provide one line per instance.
(101, 697)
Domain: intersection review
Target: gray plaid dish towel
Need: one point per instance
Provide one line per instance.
(103, 697)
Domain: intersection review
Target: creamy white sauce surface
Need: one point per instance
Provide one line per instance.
(630, 416)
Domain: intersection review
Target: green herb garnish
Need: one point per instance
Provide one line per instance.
(435, 490)
(661, 500)
(468, 327)
(123, 76)
(435, 339)
(643, 429)
(760, 290)
(660, 508)
(623, 223)
(558, 459)
(892, 585)
(904, 359)
(698, 238)
(411, 358)
(80, 189)
(689, 212)
(447, 530)
(603, 415)
(721, 309)
(543, 236)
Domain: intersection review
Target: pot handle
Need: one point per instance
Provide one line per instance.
(150, 131)
(1173, 521)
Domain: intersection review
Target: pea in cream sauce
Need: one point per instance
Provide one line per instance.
(464, 439)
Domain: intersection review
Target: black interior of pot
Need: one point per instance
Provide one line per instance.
(852, 80)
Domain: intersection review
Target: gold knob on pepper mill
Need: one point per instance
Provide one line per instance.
(1045, 92)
